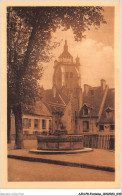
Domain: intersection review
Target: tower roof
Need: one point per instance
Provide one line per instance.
(65, 53)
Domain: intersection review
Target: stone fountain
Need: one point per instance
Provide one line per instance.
(60, 144)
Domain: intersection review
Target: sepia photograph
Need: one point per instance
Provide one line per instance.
(61, 84)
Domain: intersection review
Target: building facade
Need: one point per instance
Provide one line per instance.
(96, 117)
(36, 119)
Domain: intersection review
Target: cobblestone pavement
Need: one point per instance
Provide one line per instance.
(32, 171)
(98, 157)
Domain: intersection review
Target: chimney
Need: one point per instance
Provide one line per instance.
(103, 84)
(86, 89)
(54, 91)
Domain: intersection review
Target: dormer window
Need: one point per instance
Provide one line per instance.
(109, 113)
(86, 111)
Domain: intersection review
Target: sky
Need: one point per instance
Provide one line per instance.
(96, 53)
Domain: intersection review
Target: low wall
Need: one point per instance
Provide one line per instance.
(26, 137)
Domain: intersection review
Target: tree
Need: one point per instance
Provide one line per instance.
(29, 33)
(22, 84)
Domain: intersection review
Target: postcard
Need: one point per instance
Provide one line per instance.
(60, 121)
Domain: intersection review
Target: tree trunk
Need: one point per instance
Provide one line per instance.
(18, 126)
(8, 124)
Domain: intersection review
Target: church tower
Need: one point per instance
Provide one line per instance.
(66, 72)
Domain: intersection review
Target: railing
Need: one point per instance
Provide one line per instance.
(100, 141)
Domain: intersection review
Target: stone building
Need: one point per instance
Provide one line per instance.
(36, 119)
(96, 117)
(66, 72)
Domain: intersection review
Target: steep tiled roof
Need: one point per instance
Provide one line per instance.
(93, 99)
(65, 54)
(55, 103)
(39, 108)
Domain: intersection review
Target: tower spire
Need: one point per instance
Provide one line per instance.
(65, 46)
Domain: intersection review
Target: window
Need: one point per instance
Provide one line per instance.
(112, 127)
(86, 111)
(26, 123)
(85, 125)
(43, 124)
(50, 124)
(109, 114)
(101, 128)
(26, 132)
(29, 123)
(36, 123)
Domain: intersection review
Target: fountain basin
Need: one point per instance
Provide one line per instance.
(59, 143)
